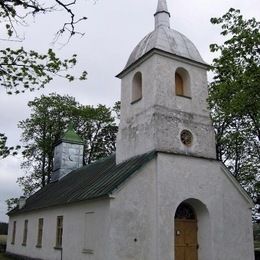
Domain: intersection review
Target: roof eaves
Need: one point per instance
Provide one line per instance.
(237, 185)
(148, 54)
(150, 155)
(17, 211)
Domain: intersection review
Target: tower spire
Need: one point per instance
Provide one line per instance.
(162, 15)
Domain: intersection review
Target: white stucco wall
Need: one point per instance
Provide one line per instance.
(156, 121)
(133, 218)
(73, 232)
(229, 235)
(145, 209)
(138, 222)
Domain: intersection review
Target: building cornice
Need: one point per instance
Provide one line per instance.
(166, 54)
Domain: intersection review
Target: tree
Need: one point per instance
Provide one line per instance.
(4, 150)
(14, 13)
(22, 69)
(3, 228)
(49, 119)
(234, 97)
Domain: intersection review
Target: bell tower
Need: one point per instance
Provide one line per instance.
(164, 96)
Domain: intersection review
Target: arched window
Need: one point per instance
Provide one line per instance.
(185, 211)
(182, 83)
(179, 85)
(186, 233)
(137, 87)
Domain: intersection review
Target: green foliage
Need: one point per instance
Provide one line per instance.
(4, 150)
(50, 117)
(14, 13)
(236, 85)
(21, 70)
(11, 203)
(3, 228)
(234, 97)
(257, 232)
(116, 109)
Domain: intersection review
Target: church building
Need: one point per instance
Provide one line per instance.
(162, 195)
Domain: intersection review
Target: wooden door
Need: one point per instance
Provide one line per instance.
(186, 242)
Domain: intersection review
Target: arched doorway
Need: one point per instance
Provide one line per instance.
(186, 229)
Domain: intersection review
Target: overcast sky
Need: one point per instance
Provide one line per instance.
(113, 29)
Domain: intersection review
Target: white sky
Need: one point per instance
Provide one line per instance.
(112, 30)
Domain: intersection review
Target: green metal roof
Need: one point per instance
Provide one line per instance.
(93, 181)
(71, 136)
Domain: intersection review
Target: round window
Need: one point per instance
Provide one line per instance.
(186, 137)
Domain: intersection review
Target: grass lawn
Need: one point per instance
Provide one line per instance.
(3, 257)
(3, 239)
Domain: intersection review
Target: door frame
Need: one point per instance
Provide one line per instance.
(204, 231)
(185, 214)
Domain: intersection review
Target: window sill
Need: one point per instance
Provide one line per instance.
(88, 251)
(38, 246)
(183, 96)
(135, 101)
(57, 248)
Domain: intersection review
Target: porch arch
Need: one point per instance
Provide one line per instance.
(204, 236)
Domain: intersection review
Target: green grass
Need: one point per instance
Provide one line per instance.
(257, 246)
(3, 239)
(3, 257)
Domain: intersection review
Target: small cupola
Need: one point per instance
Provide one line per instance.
(68, 154)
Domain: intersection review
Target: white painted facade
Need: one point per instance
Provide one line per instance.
(137, 222)
(143, 211)
(78, 243)
(155, 121)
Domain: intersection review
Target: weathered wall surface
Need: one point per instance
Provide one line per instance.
(225, 228)
(142, 213)
(74, 235)
(133, 218)
(156, 121)
(138, 223)
(67, 157)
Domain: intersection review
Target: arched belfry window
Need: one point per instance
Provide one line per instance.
(179, 85)
(137, 87)
(182, 83)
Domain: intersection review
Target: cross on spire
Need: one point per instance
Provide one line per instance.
(162, 15)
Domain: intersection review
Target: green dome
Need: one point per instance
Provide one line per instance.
(70, 136)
